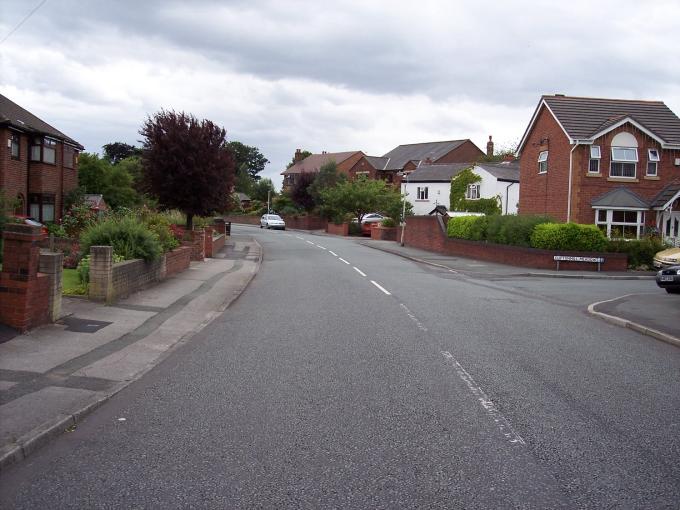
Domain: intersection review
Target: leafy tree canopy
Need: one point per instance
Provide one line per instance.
(300, 191)
(263, 188)
(115, 152)
(186, 163)
(248, 160)
(114, 182)
(362, 196)
(327, 177)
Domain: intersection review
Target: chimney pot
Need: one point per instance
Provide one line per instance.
(489, 147)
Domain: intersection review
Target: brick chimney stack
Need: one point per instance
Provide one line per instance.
(298, 156)
(428, 160)
(489, 147)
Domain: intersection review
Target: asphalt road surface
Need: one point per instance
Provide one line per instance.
(345, 377)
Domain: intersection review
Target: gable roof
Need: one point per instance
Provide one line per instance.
(242, 197)
(507, 171)
(666, 196)
(587, 118)
(11, 114)
(377, 162)
(313, 162)
(402, 154)
(437, 173)
(620, 198)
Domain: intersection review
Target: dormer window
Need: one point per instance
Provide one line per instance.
(624, 162)
(595, 156)
(542, 162)
(652, 162)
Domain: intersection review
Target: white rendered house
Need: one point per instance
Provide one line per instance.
(430, 185)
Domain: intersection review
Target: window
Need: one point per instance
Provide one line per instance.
(624, 162)
(13, 144)
(422, 193)
(41, 207)
(45, 150)
(620, 224)
(652, 162)
(595, 156)
(542, 162)
(69, 157)
(472, 192)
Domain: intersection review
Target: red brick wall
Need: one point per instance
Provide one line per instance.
(426, 233)
(545, 193)
(362, 165)
(379, 233)
(244, 219)
(464, 153)
(177, 260)
(337, 230)
(14, 173)
(305, 222)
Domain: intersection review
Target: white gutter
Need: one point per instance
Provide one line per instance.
(571, 152)
(507, 196)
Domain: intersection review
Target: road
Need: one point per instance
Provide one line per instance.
(347, 377)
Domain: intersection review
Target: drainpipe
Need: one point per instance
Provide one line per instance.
(571, 152)
(507, 196)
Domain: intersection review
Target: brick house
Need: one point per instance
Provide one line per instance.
(38, 163)
(345, 161)
(611, 162)
(406, 158)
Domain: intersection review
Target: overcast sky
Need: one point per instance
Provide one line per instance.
(333, 75)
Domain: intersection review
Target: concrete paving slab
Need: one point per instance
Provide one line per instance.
(37, 408)
(163, 294)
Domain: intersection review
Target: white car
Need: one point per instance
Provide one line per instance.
(272, 221)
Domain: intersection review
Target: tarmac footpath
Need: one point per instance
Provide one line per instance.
(55, 375)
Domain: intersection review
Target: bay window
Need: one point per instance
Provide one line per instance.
(624, 162)
(620, 223)
(41, 207)
(44, 149)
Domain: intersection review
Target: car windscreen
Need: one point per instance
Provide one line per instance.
(274, 217)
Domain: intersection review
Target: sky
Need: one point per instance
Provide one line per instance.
(330, 76)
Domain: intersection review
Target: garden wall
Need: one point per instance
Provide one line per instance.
(243, 219)
(429, 233)
(305, 222)
(337, 230)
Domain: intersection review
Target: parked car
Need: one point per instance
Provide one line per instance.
(272, 221)
(666, 258)
(669, 279)
(27, 220)
(368, 220)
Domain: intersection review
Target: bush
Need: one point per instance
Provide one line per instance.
(461, 227)
(512, 229)
(83, 267)
(640, 251)
(159, 224)
(568, 236)
(56, 230)
(78, 218)
(354, 228)
(128, 237)
(389, 223)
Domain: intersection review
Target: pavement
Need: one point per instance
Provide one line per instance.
(53, 376)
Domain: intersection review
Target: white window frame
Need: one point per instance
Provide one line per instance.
(595, 156)
(610, 224)
(653, 162)
(543, 162)
(422, 193)
(473, 192)
(624, 156)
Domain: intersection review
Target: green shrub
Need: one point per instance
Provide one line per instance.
(129, 238)
(159, 224)
(513, 229)
(461, 227)
(83, 267)
(175, 217)
(389, 223)
(56, 230)
(640, 251)
(354, 228)
(568, 236)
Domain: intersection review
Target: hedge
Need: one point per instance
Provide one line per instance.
(640, 251)
(513, 229)
(568, 236)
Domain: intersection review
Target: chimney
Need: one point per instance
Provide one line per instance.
(324, 152)
(489, 147)
(298, 156)
(428, 160)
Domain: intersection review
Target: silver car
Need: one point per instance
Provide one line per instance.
(272, 221)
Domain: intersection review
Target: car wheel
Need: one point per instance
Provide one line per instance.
(260, 225)
(673, 291)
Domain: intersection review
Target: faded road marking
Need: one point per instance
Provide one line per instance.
(333, 253)
(419, 324)
(491, 409)
(322, 247)
(343, 260)
(359, 271)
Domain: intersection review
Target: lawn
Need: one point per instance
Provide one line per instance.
(71, 283)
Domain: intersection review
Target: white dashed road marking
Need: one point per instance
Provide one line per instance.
(420, 325)
(343, 260)
(381, 288)
(319, 246)
(491, 409)
(300, 238)
(310, 242)
(333, 253)
(359, 271)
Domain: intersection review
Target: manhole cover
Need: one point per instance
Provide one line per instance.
(78, 325)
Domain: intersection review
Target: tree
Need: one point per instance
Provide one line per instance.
(117, 151)
(263, 189)
(360, 197)
(300, 191)
(248, 160)
(304, 155)
(187, 164)
(327, 177)
(114, 182)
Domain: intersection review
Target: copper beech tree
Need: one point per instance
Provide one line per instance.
(187, 164)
